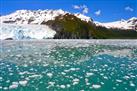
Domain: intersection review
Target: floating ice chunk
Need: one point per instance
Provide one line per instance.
(102, 83)
(89, 74)
(88, 83)
(13, 86)
(5, 88)
(10, 74)
(119, 80)
(62, 86)
(99, 58)
(68, 85)
(35, 76)
(96, 86)
(72, 69)
(1, 78)
(23, 83)
(75, 81)
(126, 77)
(25, 72)
(132, 76)
(86, 80)
(49, 75)
(105, 65)
(66, 70)
(51, 83)
(63, 73)
(132, 84)
(114, 87)
(8, 81)
(105, 77)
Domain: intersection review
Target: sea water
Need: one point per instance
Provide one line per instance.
(68, 65)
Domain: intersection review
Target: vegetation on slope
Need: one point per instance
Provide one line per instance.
(71, 27)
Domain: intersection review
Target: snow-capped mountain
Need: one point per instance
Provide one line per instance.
(27, 24)
(36, 16)
(123, 24)
(59, 24)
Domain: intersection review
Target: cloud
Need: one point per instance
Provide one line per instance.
(76, 7)
(97, 13)
(84, 8)
(128, 8)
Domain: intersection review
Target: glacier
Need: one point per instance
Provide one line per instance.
(25, 31)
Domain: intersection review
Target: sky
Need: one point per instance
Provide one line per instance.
(98, 10)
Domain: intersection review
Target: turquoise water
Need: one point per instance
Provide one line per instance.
(49, 66)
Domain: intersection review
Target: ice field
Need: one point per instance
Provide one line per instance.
(68, 65)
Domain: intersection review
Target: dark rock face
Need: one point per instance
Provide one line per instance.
(9, 22)
(9, 39)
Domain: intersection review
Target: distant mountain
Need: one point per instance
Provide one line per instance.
(59, 24)
(123, 24)
(37, 16)
(28, 24)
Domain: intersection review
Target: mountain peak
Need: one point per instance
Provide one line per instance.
(37, 16)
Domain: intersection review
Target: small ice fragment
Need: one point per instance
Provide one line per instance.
(49, 75)
(119, 80)
(68, 85)
(102, 83)
(105, 77)
(99, 58)
(35, 76)
(126, 77)
(132, 84)
(1, 78)
(96, 86)
(13, 86)
(5, 88)
(89, 74)
(72, 69)
(62, 86)
(63, 73)
(23, 83)
(51, 83)
(75, 81)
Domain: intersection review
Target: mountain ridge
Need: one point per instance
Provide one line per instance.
(39, 16)
(122, 24)
(59, 24)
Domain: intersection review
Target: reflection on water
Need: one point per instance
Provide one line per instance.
(69, 66)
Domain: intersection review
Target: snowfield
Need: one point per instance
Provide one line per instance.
(22, 31)
(122, 24)
(37, 16)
